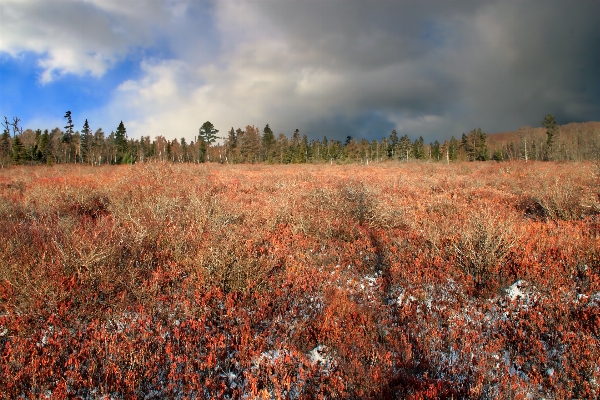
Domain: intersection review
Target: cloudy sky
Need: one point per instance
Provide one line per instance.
(326, 67)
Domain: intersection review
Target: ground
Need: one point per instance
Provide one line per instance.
(418, 280)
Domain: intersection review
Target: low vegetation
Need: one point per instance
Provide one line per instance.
(414, 280)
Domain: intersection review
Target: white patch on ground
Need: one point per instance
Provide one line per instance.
(315, 356)
(514, 291)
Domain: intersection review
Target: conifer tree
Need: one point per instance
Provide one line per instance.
(5, 150)
(436, 152)
(19, 153)
(231, 146)
(393, 144)
(551, 131)
(121, 143)
(419, 148)
(86, 142)
(208, 133)
(67, 137)
(453, 149)
(268, 142)
(405, 147)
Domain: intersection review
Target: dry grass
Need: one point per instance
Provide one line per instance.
(392, 268)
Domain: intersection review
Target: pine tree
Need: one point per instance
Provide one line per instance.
(45, 148)
(5, 148)
(482, 152)
(393, 144)
(19, 153)
(551, 131)
(86, 143)
(474, 145)
(208, 133)
(67, 137)
(121, 143)
(304, 149)
(436, 152)
(419, 148)
(231, 146)
(295, 147)
(250, 145)
(405, 148)
(268, 142)
(453, 149)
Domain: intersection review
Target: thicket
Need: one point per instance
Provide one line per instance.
(159, 280)
(572, 142)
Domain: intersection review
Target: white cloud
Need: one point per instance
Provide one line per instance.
(426, 68)
(78, 37)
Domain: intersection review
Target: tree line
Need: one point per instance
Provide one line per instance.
(251, 145)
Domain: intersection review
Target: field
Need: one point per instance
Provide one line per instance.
(417, 280)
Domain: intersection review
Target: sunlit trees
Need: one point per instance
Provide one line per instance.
(231, 146)
(419, 148)
(579, 142)
(120, 142)
(5, 143)
(393, 145)
(474, 145)
(208, 133)
(268, 144)
(19, 153)
(68, 137)
(436, 151)
(249, 142)
(86, 143)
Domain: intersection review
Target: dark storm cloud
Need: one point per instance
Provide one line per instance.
(494, 65)
(330, 67)
(368, 125)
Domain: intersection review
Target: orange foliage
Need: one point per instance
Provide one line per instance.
(473, 280)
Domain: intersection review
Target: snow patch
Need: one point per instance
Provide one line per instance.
(515, 291)
(316, 355)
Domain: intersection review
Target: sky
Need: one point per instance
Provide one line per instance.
(332, 68)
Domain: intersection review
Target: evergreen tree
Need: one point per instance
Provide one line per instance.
(184, 149)
(250, 145)
(268, 143)
(551, 131)
(208, 133)
(498, 155)
(121, 143)
(295, 147)
(393, 145)
(86, 142)
(419, 148)
(405, 148)
(67, 137)
(45, 148)
(475, 145)
(482, 152)
(304, 150)
(5, 145)
(436, 153)
(99, 147)
(453, 149)
(201, 150)
(231, 146)
(19, 153)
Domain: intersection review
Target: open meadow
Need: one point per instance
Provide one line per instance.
(415, 280)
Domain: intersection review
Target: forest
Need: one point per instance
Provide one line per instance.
(215, 280)
(570, 142)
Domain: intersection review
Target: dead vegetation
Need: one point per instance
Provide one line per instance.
(300, 281)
